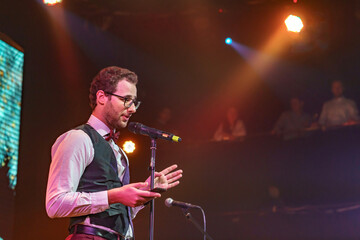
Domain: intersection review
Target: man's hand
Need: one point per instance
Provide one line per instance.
(166, 179)
(131, 195)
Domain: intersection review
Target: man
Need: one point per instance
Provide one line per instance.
(89, 174)
(292, 123)
(231, 128)
(339, 110)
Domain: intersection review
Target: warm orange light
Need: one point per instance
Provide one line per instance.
(51, 2)
(294, 23)
(129, 147)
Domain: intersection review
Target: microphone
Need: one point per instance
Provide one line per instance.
(169, 202)
(139, 128)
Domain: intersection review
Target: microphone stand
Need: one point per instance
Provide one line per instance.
(152, 179)
(197, 225)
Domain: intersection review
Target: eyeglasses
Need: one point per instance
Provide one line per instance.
(127, 100)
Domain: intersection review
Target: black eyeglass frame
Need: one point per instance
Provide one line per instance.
(126, 99)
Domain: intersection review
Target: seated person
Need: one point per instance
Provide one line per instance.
(339, 110)
(231, 128)
(292, 123)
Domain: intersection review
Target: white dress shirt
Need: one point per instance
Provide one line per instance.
(338, 111)
(238, 130)
(71, 153)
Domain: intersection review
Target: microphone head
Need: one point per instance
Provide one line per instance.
(168, 202)
(134, 127)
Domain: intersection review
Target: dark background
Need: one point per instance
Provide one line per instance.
(177, 49)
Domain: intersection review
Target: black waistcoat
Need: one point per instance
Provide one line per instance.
(101, 175)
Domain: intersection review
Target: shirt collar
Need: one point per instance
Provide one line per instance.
(98, 125)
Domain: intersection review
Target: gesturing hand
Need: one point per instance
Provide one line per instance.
(167, 178)
(131, 195)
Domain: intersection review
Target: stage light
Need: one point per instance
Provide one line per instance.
(51, 2)
(228, 41)
(294, 23)
(129, 147)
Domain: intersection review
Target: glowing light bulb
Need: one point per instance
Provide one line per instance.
(51, 2)
(228, 41)
(294, 23)
(129, 147)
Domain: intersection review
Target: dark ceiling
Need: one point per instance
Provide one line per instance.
(178, 50)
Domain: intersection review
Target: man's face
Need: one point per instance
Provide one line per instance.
(337, 89)
(115, 113)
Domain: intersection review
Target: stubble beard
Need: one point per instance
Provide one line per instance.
(113, 119)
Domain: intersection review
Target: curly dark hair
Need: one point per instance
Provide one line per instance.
(107, 80)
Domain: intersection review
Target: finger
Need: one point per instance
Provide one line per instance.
(171, 185)
(173, 174)
(148, 194)
(174, 178)
(144, 200)
(138, 185)
(169, 169)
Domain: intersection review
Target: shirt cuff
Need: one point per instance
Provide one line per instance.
(99, 201)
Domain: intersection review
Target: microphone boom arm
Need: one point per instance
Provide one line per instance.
(196, 224)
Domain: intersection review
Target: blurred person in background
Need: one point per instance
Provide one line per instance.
(232, 127)
(291, 124)
(339, 110)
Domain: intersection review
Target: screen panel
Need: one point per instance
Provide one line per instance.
(11, 76)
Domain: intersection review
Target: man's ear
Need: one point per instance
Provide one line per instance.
(101, 97)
